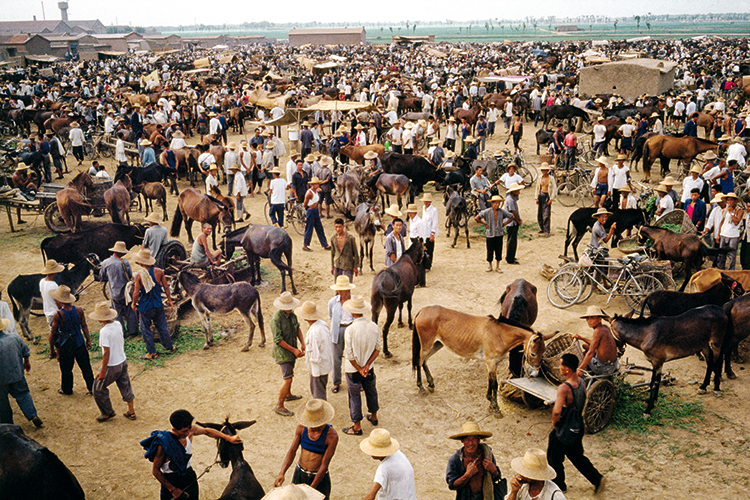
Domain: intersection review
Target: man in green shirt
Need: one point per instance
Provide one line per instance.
(286, 333)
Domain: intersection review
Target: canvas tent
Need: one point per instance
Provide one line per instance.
(629, 78)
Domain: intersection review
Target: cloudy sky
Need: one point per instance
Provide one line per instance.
(189, 12)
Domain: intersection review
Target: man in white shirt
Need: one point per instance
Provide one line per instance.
(691, 182)
(619, 176)
(291, 165)
(239, 191)
(394, 479)
(416, 225)
(109, 123)
(492, 115)
(430, 221)
(277, 189)
(737, 152)
(178, 141)
(600, 132)
(214, 125)
(395, 135)
(319, 349)
(657, 126)
(511, 177)
(665, 203)
(76, 140)
(231, 157)
(211, 180)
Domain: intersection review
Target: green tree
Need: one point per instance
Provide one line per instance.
(638, 22)
(615, 23)
(414, 28)
(391, 28)
(648, 25)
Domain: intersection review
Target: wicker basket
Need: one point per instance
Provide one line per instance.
(677, 217)
(555, 348)
(630, 245)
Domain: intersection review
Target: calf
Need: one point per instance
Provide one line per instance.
(582, 220)
(357, 153)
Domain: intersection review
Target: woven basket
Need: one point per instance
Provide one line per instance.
(562, 344)
(171, 314)
(677, 217)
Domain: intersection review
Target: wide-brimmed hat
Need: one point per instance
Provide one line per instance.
(74, 125)
(718, 198)
(21, 166)
(533, 465)
(469, 139)
(342, 283)
(119, 248)
(212, 114)
(357, 305)
(545, 166)
(62, 294)
(709, 155)
(144, 257)
(601, 211)
(393, 211)
(661, 188)
(232, 146)
(270, 145)
(594, 312)
(154, 217)
(103, 312)
(625, 189)
(294, 154)
(307, 311)
(515, 187)
(146, 142)
(670, 181)
(314, 180)
(723, 138)
(435, 142)
(294, 492)
(654, 115)
(359, 127)
(177, 134)
(52, 267)
(696, 169)
(621, 157)
(496, 197)
(409, 125)
(285, 302)
(471, 429)
(326, 161)
(275, 170)
(731, 194)
(412, 208)
(370, 155)
(235, 167)
(451, 119)
(317, 412)
(4, 323)
(310, 158)
(213, 166)
(379, 443)
(426, 197)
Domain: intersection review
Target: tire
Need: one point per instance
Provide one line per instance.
(638, 287)
(528, 173)
(105, 290)
(566, 194)
(564, 289)
(297, 219)
(54, 221)
(105, 151)
(172, 251)
(89, 151)
(666, 281)
(266, 209)
(599, 406)
(588, 288)
(589, 156)
(583, 196)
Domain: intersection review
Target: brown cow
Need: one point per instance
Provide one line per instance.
(357, 153)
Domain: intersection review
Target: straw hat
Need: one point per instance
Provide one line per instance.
(621, 157)
(310, 158)
(411, 208)
(709, 155)
(265, 133)
(625, 189)
(379, 443)
(370, 155)
(426, 197)
(314, 180)
(409, 125)
(51, 267)
(275, 170)
(471, 429)
(103, 312)
(146, 142)
(326, 161)
(696, 169)
(155, 218)
(232, 146)
(451, 119)
(74, 125)
(393, 211)
(21, 166)
(342, 283)
(177, 134)
(601, 211)
(294, 492)
(317, 412)
(545, 167)
(4, 323)
(357, 305)
(723, 138)
(514, 187)
(285, 302)
(307, 311)
(435, 142)
(661, 188)
(212, 114)
(670, 181)
(718, 198)
(654, 115)
(234, 167)
(469, 139)
(533, 465)
(731, 194)
(359, 127)
(62, 294)
(214, 167)
(594, 312)
(119, 248)
(496, 197)
(294, 154)
(144, 258)
(270, 145)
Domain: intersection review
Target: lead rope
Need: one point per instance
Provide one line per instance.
(208, 468)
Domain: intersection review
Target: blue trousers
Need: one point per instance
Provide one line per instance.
(355, 398)
(156, 317)
(20, 392)
(313, 222)
(276, 212)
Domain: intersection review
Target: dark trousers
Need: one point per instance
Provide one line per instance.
(187, 482)
(20, 392)
(276, 213)
(570, 157)
(543, 211)
(78, 153)
(305, 152)
(510, 253)
(616, 198)
(556, 453)
(429, 252)
(312, 221)
(450, 144)
(495, 248)
(46, 169)
(307, 477)
(397, 148)
(127, 317)
(536, 118)
(355, 398)
(156, 317)
(68, 356)
(117, 374)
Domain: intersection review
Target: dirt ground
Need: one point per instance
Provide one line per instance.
(698, 460)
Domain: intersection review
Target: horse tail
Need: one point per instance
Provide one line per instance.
(115, 212)
(16, 307)
(567, 238)
(416, 346)
(643, 306)
(394, 292)
(646, 158)
(259, 311)
(176, 223)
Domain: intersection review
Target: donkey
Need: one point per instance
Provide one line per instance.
(243, 485)
(223, 299)
(152, 191)
(117, 199)
(456, 215)
(366, 223)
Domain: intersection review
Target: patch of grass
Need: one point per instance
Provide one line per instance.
(670, 411)
(528, 231)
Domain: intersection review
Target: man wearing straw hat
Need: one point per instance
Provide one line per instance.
(114, 364)
(230, 158)
(76, 140)
(472, 471)
(326, 183)
(149, 284)
(211, 179)
(148, 156)
(544, 194)
(362, 344)
(66, 340)
(729, 231)
(664, 205)
(319, 349)
(116, 272)
(430, 221)
(46, 285)
(601, 354)
(240, 191)
(14, 359)
(156, 236)
(318, 440)
(340, 320)
(533, 479)
(690, 182)
(494, 220)
(311, 204)
(286, 334)
(511, 206)
(394, 478)
(598, 234)
(345, 258)
(566, 438)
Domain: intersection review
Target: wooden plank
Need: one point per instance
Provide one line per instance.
(538, 387)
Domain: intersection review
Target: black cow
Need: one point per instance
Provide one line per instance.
(152, 172)
(622, 112)
(460, 178)
(563, 112)
(416, 168)
(582, 221)
(25, 288)
(29, 471)
(72, 247)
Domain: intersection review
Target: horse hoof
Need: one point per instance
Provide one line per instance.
(717, 394)
(387, 355)
(497, 413)
(731, 376)
(701, 391)
(422, 391)
(206, 346)
(400, 324)
(453, 246)
(431, 388)
(245, 349)
(262, 344)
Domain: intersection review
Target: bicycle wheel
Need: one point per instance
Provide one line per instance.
(583, 196)
(266, 214)
(666, 280)
(89, 151)
(589, 156)
(638, 287)
(529, 174)
(564, 289)
(296, 218)
(565, 194)
(588, 288)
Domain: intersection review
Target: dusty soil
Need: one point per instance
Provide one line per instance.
(700, 459)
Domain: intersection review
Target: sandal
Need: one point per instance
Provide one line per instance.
(293, 397)
(104, 418)
(129, 416)
(335, 389)
(150, 356)
(283, 412)
(351, 431)
(373, 421)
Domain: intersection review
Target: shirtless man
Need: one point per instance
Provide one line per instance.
(601, 357)
(600, 182)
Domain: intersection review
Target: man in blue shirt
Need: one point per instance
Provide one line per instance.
(148, 156)
(691, 127)
(14, 359)
(306, 140)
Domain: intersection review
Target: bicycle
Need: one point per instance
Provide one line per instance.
(504, 158)
(294, 214)
(586, 151)
(576, 189)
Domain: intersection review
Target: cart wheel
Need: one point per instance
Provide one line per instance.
(266, 209)
(600, 403)
(531, 401)
(564, 289)
(105, 150)
(638, 287)
(89, 151)
(53, 219)
(105, 290)
(566, 194)
(172, 251)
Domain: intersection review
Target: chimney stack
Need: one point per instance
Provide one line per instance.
(63, 6)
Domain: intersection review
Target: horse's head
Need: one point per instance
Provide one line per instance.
(533, 354)
(374, 215)
(733, 285)
(228, 452)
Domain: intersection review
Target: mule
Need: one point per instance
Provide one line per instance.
(562, 113)
(242, 485)
(395, 285)
(117, 200)
(391, 184)
(194, 206)
(469, 336)
(738, 329)
(667, 148)
(152, 191)
(671, 303)
(471, 115)
(367, 224)
(347, 185)
(705, 279)
(456, 215)
(71, 202)
(210, 299)
(518, 302)
(262, 242)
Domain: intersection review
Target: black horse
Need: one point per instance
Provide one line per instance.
(395, 285)
(563, 112)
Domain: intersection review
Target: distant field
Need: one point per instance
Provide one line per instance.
(486, 34)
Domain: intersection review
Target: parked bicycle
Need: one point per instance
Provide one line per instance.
(294, 214)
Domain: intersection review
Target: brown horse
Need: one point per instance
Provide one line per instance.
(152, 191)
(117, 199)
(71, 202)
(469, 336)
(390, 184)
(471, 115)
(519, 302)
(667, 148)
(192, 205)
(57, 124)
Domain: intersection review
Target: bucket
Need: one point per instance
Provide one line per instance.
(293, 134)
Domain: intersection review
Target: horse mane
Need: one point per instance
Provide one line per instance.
(190, 277)
(706, 141)
(214, 199)
(502, 320)
(635, 321)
